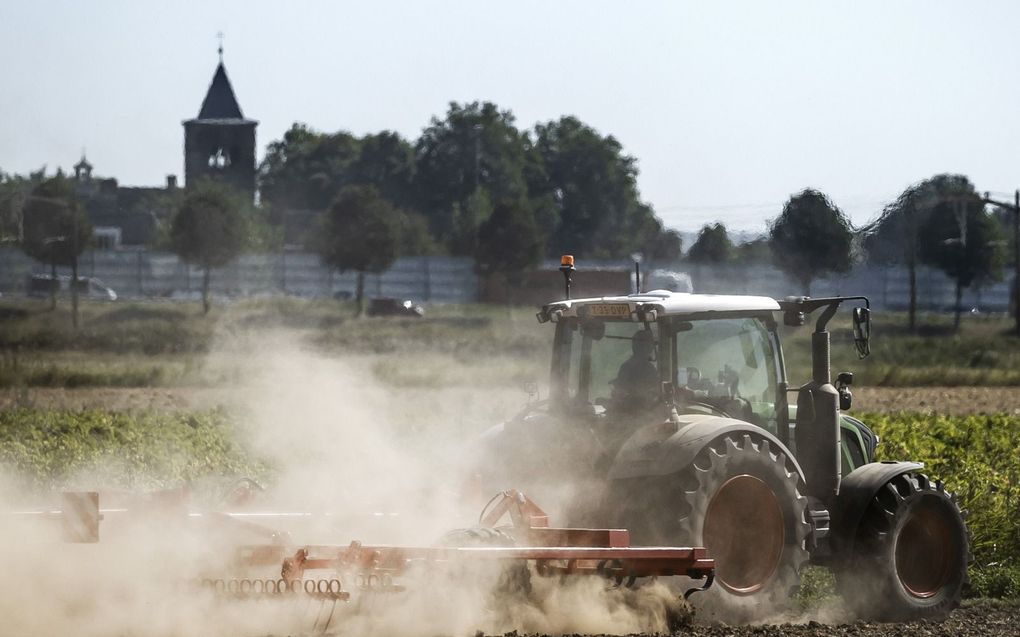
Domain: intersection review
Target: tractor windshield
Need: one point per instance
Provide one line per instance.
(610, 363)
(729, 364)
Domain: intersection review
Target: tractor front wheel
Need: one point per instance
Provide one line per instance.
(909, 559)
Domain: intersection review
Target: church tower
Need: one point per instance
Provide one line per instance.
(220, 142)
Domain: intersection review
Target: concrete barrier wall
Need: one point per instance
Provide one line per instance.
(146, 274)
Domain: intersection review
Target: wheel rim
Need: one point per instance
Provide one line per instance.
(744, 533)
(924, 550)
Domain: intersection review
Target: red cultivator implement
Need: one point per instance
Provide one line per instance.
(552, 551)
(326, 575)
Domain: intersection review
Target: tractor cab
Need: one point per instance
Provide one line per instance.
(624, 356)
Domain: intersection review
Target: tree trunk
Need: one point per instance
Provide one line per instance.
(509, 296)
(74, 292)
(959, 295)
(205, 290)
(912, 321)
(54, 285)
(359, 294)
(1015, 302)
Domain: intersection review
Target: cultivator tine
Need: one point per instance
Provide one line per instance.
(316, 609)
(330, 618)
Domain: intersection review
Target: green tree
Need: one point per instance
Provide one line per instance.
(360, 232)
(475, 147)
(209, 230)
(509, 243)
(963, 241)
(467, 219)
(664, 245)
(56, 230)
(414, 236)
(14, 191)
(386, 161)
(594, 187)
(894, 238)
(810, 238)
(753, 252)
(306, 169)
(712, 246)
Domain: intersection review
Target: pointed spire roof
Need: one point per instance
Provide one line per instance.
(220, 102)
(83, 164)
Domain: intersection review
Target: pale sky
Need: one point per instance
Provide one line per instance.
(729, 107)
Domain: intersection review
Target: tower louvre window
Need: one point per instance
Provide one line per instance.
(219, 159)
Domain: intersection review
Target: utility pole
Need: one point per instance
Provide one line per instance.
(1015, 288)
(478, 154)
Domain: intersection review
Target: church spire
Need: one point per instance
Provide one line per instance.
(220, 101)
(220, 143)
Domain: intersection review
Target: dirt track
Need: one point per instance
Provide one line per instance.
(944, 400)
(983, 619)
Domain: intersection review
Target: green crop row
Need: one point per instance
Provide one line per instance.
(977, 458)
(42, 449)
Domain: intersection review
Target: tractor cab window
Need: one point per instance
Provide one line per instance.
(614, 363)
(730, 365)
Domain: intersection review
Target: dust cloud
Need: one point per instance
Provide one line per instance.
(352, 459)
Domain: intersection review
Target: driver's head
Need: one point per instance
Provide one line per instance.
(643, 343)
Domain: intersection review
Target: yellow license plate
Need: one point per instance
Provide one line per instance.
(610, 310)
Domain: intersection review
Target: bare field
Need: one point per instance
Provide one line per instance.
(980, 619)
(941, 400)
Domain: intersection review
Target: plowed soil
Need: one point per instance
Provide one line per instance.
(943, 400)
(981, 619)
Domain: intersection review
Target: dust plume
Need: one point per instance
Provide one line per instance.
(352, 458)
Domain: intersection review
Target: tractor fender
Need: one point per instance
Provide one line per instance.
(665, 448)
(856, 492)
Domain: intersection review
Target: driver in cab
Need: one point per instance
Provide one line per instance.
(636, 385)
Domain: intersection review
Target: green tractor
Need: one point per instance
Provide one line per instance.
(670, 414)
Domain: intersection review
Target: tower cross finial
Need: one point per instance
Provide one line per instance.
(219, 36)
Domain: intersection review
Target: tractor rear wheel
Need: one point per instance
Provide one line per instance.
(910, 555)
(741, 500)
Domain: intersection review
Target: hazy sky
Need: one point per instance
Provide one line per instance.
(729, 107)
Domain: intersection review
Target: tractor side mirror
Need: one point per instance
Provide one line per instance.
(862, 331)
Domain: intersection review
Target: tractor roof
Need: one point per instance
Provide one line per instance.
(670, 303)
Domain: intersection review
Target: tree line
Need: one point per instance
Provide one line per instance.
(473, 184)
(573, 187)
(941, 221)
